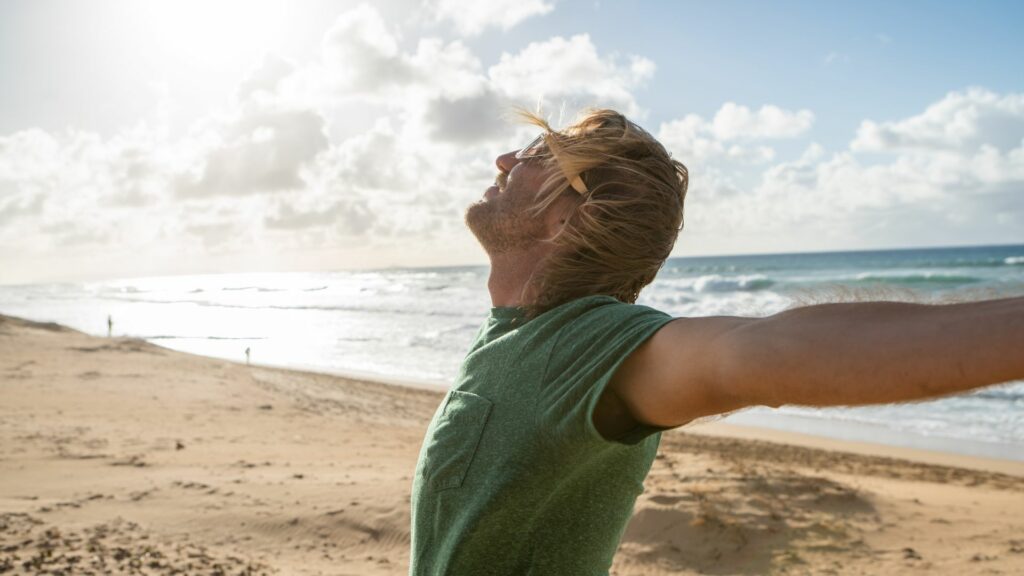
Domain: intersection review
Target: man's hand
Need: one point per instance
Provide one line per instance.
(839, 354)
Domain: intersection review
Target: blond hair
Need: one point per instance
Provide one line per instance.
(624, 224)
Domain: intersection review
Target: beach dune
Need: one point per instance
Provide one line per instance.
(117, 455)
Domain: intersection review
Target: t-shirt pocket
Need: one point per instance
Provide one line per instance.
(456, 436)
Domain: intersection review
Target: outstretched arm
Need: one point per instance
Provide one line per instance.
(850, 353)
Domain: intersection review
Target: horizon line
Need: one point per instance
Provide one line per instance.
(452, 266)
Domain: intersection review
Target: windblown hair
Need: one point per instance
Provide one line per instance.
(623, 227)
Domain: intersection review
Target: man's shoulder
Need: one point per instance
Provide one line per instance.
(605, 308)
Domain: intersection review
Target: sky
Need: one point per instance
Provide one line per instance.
(154, 137)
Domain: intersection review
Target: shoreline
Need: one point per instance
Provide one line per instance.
(921, 455)
(803, 429)
(989, 434)
(116, 450)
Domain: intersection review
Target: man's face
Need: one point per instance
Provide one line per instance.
(500, 220)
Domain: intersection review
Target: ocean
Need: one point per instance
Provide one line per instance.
(415, 324)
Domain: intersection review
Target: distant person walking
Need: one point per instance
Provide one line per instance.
(247, 356)
(535, 457)
(110, 326)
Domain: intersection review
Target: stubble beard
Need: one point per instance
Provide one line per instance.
(503, 227)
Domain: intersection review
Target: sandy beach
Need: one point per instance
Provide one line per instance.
(119, 456)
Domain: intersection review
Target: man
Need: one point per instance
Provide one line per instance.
(533, 461)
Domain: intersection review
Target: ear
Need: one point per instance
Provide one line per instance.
(559, 214)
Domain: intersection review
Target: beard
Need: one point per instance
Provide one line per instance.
(502, 224)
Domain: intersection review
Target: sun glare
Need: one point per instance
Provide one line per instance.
(194, 32)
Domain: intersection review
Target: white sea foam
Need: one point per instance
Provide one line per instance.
(719, 283)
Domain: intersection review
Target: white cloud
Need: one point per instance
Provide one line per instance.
(472, 18)
(362, 148)
(735, 122)
(262, 148)
(954, 171)
(15, 205)
(363, 52)
(373, 160)
(71, 189)
(350, 218)
(362, 58)
(729, 134)
(839, 196)
(266, 77)
(559, 70)
(449, 70)
(467, 120)
(723, 154)
(962, 121)
(379, 142)
(443, 86)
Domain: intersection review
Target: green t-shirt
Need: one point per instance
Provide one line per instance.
(513, 478)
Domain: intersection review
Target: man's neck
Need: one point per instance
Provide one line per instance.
(510, 272)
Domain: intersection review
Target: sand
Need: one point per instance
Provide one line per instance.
(118, 456)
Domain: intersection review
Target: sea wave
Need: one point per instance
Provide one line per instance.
(366, 308)
(1009, 392)
(964, 262)
(718, 283)
(251, 289)
(921, 278)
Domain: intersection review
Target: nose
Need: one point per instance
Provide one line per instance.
(506, 161)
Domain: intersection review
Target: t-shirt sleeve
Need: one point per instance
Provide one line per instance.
(587, 352)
